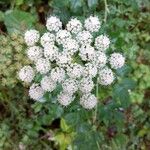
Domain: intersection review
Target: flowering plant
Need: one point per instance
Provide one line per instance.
(73, 59)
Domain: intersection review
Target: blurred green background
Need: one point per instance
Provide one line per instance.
(122, 120)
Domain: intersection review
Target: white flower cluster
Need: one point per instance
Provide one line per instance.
(73, 59)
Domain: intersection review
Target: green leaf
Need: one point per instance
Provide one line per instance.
(57, 4)
(87, 140)
(38, 78)
(37, 107)
(76, 6)
(72, 118)
(129, 84)
(63, 140)
(121, 91)
(64, 125)
(19, 2)
(92, 4)
(63, 14)
(18, 21)
(1, 16)
(123, 71)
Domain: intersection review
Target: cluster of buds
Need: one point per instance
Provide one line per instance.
(74, 58)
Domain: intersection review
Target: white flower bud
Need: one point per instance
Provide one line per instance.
(70, 86)
(92, 24)
(58, 74)
(116, 60)
(87, 53)
(47, 39)
(106, 76)
(31, 37)
(26, 74)
(84, 37)
(34, 53)
(88, 101)
(51, 52)
(74, 26)
(70, 46)
(86, 85)
(43, 66)
(62, 36)
(36, 92)
(48, 84)
(75, 70)
(90, 70)
(102, 43)
(100, 59)
(63, 59)
(65, 99)
(53, 24)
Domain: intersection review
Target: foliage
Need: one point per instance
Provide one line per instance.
(12, 55)
(121, 120)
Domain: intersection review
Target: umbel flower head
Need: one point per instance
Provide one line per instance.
(71, 61)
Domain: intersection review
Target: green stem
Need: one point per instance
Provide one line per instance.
(95, 112)
(106, 10)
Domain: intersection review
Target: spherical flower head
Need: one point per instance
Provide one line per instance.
(102, 43)
(47, 39)
(62, 36)
(53, 24)
(63, 59)
(92, 24)
(26, 74)
(90, 70)
(43, 66)
(116, 60)
(58, 74)
(51, 52)
(36, 92)
(71, 57)
(31, 37)
(70, 46)
(106, 76)
(100, 59)
(86, 85)
(48, 84)
(34, 53)
(65, 99)
(87, 52)
(74, 26)
(88, 101)
(75, 70)
(84, 37)
(70, 86)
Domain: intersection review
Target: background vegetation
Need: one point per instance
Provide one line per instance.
(122, 119)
